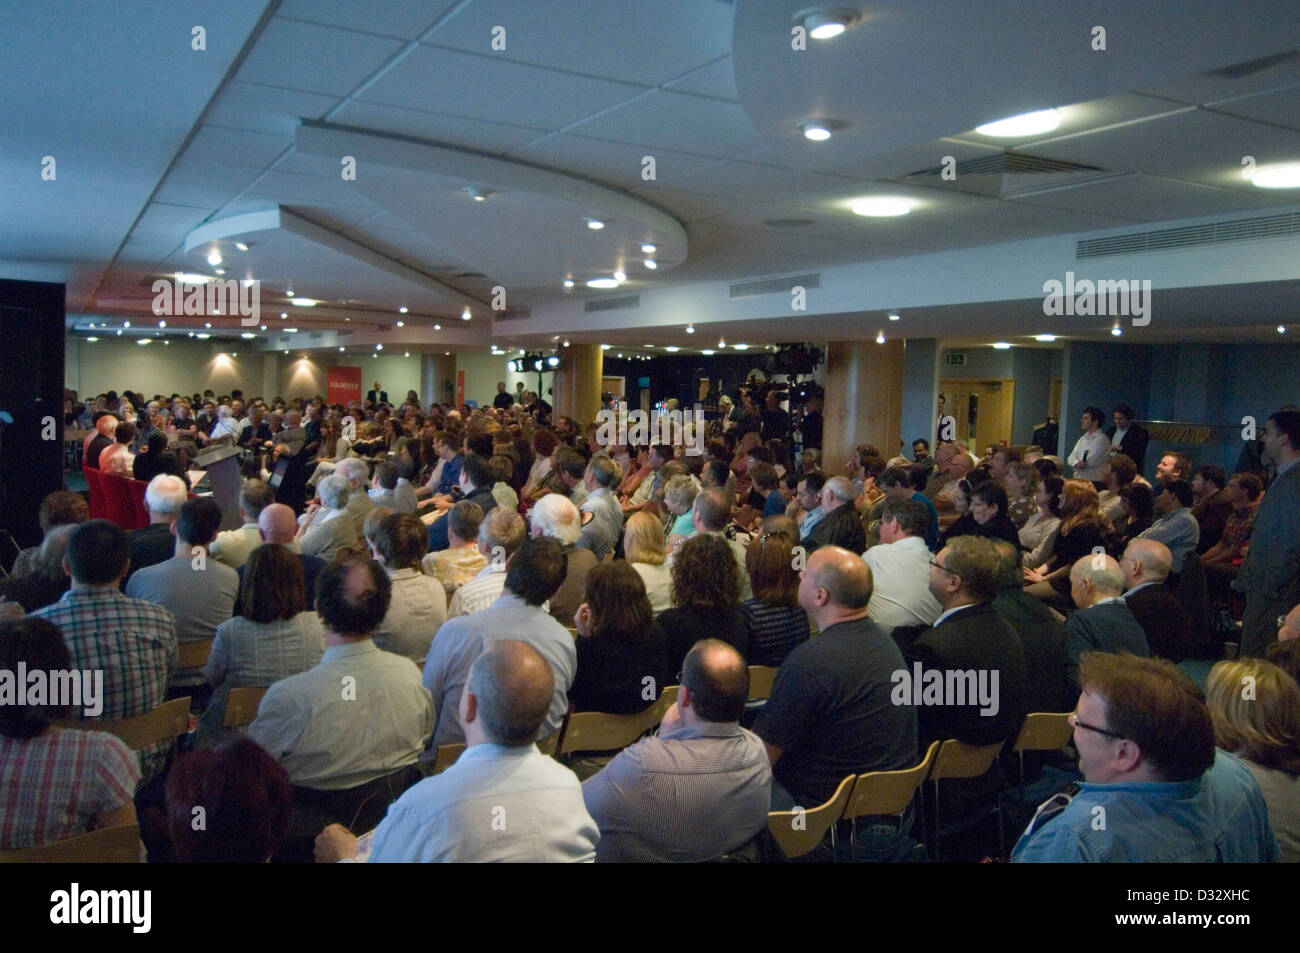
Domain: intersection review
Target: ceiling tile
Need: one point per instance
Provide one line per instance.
(267, 109)
(316, 59)
(236, 146)
(612, 162)
(406, 19)
(717, 79)
(1150, 199)
(1280, 106)
(494, 137)
(676, 121)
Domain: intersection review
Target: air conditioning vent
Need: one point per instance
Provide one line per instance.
(612, 304)
(768, 286)
(1285, 225)
(1251, 67)
(515, 315)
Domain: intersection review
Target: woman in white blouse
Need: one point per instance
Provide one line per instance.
(1038, 535)
(643, 546)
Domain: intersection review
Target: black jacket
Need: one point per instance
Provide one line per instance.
(1164, 619)
(1134, 444)
(840, 527)
(1043, 638)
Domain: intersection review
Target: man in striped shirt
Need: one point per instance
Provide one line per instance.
(131, 641)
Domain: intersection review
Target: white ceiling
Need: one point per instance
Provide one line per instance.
(154, 140)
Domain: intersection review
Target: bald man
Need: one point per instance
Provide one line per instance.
(831, 713)
(277, 524)
(503, 800)
(1165, 620)
(1103, 622)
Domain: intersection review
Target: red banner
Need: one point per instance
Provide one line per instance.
(460, 388)
(343, 384)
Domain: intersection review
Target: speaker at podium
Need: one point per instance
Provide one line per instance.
(222, 465)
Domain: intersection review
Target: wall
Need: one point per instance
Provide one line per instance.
(483, 370)
(182, 366)
(1031, 368)
(920, 391)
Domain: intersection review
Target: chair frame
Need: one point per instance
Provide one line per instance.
(241, 706)
(609, 728)
(108, 845)
(953, 750)
(779, 823)
(167, 722)
(897, 789)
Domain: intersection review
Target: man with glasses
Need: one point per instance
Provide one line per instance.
(1155, 788)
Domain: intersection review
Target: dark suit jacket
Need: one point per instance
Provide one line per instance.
(1043, 639)
(1166, 622)
(146, 466)
(1134, 444)
(977, 639)
(1108, 627)
(438, 541)
(152, 545)
(377, 396)
(840, 527)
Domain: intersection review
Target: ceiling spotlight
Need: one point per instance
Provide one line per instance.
(1281, 329)
(247, 282)
(401, 324)
(214, 259)
(620, 275)
(647, 248)
(707, 351)
(721, 344)
(206, 324)
(303, 302)
(651, 264)
(162, 324)
(882, 207)
(604, 347)
(1026, 124)
(126, 324)
(602, 283)
(827, 24)
(690, 329)
(477, 194)
(220, 271)
(340, 350)
(620, 355)
(289, 293)
(283, 314)
(1045, 338)
(1001, 346)
(566, 343)
(595, 224)
(880, 338)
(406, 354)
(672, 349)
(290, 330)
(203, 336)
(92, 339)
(241, 246)
(145, 341)
(191, 334)
(234, 354)
(895, 316)
(262, 328)
(437, 327)
(119, 332)
(1277, 176)
(568, 282)
(248, 335)
(403, 309)
(379, 347)
(553, 361)
(741, 347)
(816, 131)
(465, 315)
(1116, 331)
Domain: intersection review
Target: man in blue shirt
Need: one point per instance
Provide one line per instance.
(1155, 788)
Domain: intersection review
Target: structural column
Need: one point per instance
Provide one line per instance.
(578, 382)
(864, 399)
(437, 379)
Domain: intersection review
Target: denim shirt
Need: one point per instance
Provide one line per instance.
(1218, 818)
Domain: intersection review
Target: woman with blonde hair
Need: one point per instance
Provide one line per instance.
(1255, 707)
(643, 547)
(1083, 530)
(679, 498)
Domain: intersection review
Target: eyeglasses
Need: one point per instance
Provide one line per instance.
(1074, 720)
(938, 565)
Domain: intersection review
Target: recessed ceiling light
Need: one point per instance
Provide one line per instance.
(241, 246)
(191, 334)
(206, 324)
(289, 293)
(816, 131)
(1116, 331)
(283, 314)
(1001, 346)
(262, 328)
(203, 336)
(882, 207)
(214, 258)
(880, 338)
(566, 343)
(827, 24)
(220, 271)
(568, 282)
(721, 343)
(340, 349)
(895, 316)
(403, 309)
(92, 339)
(651, 264)
(595, 224)
(406, 354)
(647, 248)
(672, 349)
(401, 324)
(465, 315)
(620, 354)
(741, 347)
(162, 324)
(1277, 176)
(303, 302)
(234, 354)
(145, 341)
(437, 327)
(290, 330)
(247, 282)
(690, 329)
(1281, 329)
(1045, 338)
(620, 275)
(604, 347)
(1026, 124)
(602, 283)
(119, 332)
(707, 351)
(126, 324)
(189, 278)
(379, 347)
(248, 335)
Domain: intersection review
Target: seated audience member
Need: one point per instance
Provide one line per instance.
(616, 654)
(1221, 561)
(1041, 634)
(679, 498)
(232, 546)
(1171, 468)
(131, 641)
(1262, 728)
(898, 484)
(155, 543)
(358, 503)
(570, 469)
(198, 591)
(831, 712)
(1103, 622)
(1147, 755)
(554, 516)
(461, 561)
(900, 568)
(388, 489)
(1118, 473)
(970, 636)
(1286, 656)
(988, 507)
(600, 532)
(643, 547)
(706, 598)
(419, 604)
(1138, 508)
(1210, 505)
(502, 468)
(700, 787)
(118, 459)
(327, 527)
(959, 522)
(1167, 624)
(1083, 529)
(839, 525)
(276, 634)
(55, 783)
(157, 459)
(277, 524)
(808, 498)
(533, 576)
(60, 508)
(500, 535)
(1020, 480)
(1175, 526)
(709, 516)
(45, 582)
(475, 486)
(246, 799)
(1038, 535)
(767, 489)
(103, 437)
(774, 621)
(358, 715)
(451, 816)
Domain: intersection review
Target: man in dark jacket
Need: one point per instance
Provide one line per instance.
(840, 524)
(1133, 437)
(1164, 619)
(1041, 634)
(476, 486)
(1103, 622)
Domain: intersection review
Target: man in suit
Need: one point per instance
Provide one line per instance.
(1041, 634)
(839, 525)
(1127, 436)
(1270, 575)
(1103, 622)
(476, 486)
(377, 396)
(978, 655)
(1167, 624)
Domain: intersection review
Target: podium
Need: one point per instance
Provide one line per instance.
(222, 463)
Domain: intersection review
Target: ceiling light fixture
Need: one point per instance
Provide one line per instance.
(568, 283)
(602, 283)
(880, 338)
(1277, 176)
(437, 327)
(92, 339)
(708, 351)
(672, 349)
(721, 344)
(220, 271)
(690, 329)
(1001, 346)
(741, 347)
(1281, 329)
(895, 316)
(604, 347)
(881, 207)
(401, 324)
(248, 335)
(620, 275)
(1045, 338)
(1026, 124)
(566, 343)
(826, 24)
(465, 315)
(815, 131)
(403, 309)
(303, 302)
(162, 324)
(651, 264)
(241, 246)
(647, 248)
(289, 293)
(214, 258)
(283, 314)
(595, 224)
(126, 324)
(290, 330)
(1116, 331)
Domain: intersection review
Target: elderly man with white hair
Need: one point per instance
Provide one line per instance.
(327, 526)
(359, 503)
(1104, 622)
(227, 426)
(155, 543)
(840, 524)
(556, 516)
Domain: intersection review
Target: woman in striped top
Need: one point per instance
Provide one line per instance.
(774, 619)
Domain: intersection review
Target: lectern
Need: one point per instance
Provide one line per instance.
(222, 463)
